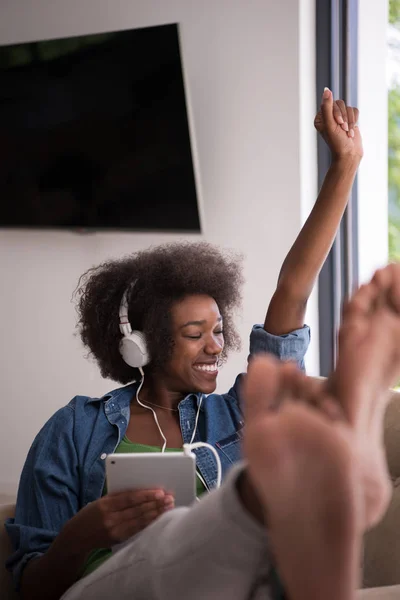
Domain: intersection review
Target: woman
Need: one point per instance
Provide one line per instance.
(181, 298)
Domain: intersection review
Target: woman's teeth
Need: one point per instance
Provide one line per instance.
(207, 368)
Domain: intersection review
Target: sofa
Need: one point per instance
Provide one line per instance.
(381, 561)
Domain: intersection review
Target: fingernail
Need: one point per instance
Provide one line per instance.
(327, 93)
(159, 495)
(340, 120)
(351, 133)
(345, 126)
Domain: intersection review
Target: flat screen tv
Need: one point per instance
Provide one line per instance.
(94, 134)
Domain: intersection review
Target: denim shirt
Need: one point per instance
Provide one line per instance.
(65, 467)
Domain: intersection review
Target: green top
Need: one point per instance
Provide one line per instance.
(100, 555)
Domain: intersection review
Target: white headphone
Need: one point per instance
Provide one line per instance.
(133, 347)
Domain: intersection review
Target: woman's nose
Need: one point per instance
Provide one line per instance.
(213, 347)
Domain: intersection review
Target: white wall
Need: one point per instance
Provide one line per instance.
(246, 66)
(373, 104)
(308, 153)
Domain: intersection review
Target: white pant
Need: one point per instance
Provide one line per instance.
(211, 551)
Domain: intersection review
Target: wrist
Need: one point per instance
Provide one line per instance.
(71, 542)
(249, 497)
(346, 161)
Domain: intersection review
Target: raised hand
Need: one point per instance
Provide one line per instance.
(337, 124)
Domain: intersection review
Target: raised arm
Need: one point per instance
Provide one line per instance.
(337, 124)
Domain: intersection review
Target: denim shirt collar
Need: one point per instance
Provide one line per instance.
(120, 399)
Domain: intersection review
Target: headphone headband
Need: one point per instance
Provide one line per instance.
(133, 347)
(124, 324)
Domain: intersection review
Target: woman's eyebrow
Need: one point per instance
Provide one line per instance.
(198, 323)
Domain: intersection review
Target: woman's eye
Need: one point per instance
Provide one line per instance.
(219, 332)
(194, 337)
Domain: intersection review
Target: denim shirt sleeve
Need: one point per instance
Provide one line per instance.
(290, 346)
(48, 493)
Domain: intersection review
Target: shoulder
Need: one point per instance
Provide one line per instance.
(66, 414)
(68, 420)
(221, 405)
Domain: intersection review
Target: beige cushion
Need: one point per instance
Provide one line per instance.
(6, 587)
(382, 593)
(392, 435)
(381, 565)
(382, 544)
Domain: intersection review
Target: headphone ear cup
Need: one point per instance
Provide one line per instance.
(133, 349)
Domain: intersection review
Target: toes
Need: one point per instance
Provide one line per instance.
(356, 314)
(383, 289)
(383, 277)
(330, 407)
(363, 301)
(394, 291)
(388, 282)
(317, 393)
(352, 330)
(271, 386)
(267, 384)
(309, 388)
(261, 386)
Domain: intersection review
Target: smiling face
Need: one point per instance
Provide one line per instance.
(198, 341)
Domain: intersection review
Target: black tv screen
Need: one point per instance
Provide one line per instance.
(94, 134)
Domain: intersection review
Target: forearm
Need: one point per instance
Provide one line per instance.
(51, 575)
(306, 257)
(308, 253)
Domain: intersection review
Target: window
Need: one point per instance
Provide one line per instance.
(393, 80)
(337, 66)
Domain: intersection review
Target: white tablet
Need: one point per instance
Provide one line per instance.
(172, 471)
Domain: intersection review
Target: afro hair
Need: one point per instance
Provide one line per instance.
(163, 275)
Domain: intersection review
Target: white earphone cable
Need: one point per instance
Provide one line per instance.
(196, 421)
(187, 448)
(153, 411)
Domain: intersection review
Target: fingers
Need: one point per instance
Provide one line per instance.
(343, 111)
(129, 499)
(351, 120)
(123, 530)
(327, 108)
(122, 524)
(337, 112)
(356, 115)
(147, 511)
(351, 117)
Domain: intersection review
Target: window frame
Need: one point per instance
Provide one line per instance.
(337, 68)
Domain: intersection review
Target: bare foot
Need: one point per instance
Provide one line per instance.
(368, 364)
(315, 452)
(304, 469)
